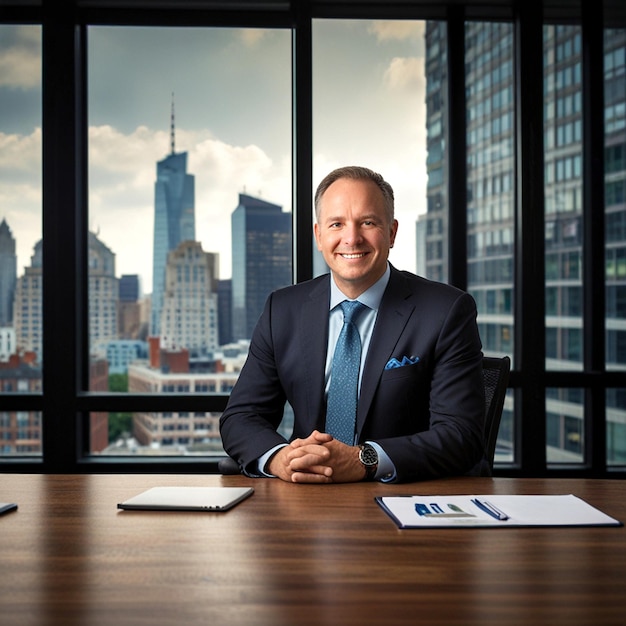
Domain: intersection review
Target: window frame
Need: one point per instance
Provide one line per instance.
(65, 402)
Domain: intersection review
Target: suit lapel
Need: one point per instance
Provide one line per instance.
(394, 313)
(395, 310)
(314, 324)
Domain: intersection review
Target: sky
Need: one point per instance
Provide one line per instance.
(231, 91)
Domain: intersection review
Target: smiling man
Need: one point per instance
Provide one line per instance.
(354, 229)
(383, 369)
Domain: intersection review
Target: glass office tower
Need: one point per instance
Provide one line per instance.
(8, 274)
(262, 262)
(615, 234)
(174, 222)
(490, 188)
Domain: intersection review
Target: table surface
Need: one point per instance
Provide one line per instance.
(298, 555)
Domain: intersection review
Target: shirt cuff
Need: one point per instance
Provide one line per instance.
(263, 460)
(386, 470)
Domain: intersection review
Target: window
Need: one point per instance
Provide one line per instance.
(189, 147)
(209, 117)
(615, 237)
(21, 296)
(491, 216)
(369, 107)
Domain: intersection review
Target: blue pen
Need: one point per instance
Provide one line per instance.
(422, 509)
(491, 510)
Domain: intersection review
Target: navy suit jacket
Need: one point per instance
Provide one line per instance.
(428, 416)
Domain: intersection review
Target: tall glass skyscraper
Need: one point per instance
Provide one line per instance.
(491, 209)
(8, 273)
(262, 259)
(174, 222)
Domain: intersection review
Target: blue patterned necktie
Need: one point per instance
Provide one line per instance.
(344, 377)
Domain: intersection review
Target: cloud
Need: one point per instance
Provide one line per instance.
(252, 36)
(406, 73)
(398, 30)
(122, 173)
(20, 190)
(20, 57)
(222, 172)
(121, 189)
(20, 154)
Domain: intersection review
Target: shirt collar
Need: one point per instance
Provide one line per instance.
(370, 298)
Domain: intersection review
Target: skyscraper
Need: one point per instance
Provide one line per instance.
(130, 289)
(189, 317)
(8, 273)
(129, 320)
(224, 311)
(103, 297)
(28, 306)
(489, 75)
(262, 259)
(174, 220)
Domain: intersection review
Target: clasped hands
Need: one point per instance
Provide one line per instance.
(319, 458)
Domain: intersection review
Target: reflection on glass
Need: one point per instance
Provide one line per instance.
(189, 210)
(21, 324)
(565, 425)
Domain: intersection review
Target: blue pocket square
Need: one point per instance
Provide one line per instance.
(406, 360)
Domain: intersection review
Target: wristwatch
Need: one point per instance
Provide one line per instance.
(369, 458)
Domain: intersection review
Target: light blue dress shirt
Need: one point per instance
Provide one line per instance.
(365, 325)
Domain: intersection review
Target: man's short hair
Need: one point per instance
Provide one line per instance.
(355, 172)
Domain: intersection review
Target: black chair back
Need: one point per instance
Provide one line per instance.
(496, 376)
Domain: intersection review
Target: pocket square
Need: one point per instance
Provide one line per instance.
(406, 360)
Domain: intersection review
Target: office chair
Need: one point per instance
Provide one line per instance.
(496, 377)
(228, 466)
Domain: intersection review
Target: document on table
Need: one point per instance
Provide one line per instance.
(493, 511)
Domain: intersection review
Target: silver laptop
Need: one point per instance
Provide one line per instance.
(187, 499)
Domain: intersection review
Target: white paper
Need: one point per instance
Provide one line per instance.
(455, 511)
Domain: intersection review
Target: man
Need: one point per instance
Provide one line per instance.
(420, 401)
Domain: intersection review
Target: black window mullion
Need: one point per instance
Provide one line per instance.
(302, 141)
(81, 213)
(529, 305)
(594, 326)
(61, 296)
(457, 151)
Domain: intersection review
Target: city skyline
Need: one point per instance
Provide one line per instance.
(233, 117)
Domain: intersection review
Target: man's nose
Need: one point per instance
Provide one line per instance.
(352, 234)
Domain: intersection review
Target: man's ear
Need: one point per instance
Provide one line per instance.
(393, 233)
(316, 231)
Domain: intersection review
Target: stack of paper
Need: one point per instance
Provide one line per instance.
(492, 511)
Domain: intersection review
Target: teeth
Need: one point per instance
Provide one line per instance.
(352, 256)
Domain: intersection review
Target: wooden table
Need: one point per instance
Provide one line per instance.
(296, 555)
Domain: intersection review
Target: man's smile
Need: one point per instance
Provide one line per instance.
(352, 255)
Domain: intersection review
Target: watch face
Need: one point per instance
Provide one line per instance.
(369, 456)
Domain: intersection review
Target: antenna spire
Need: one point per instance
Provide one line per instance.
(172, 128)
